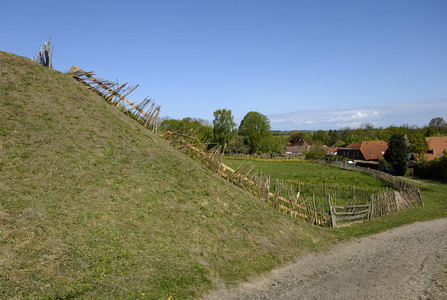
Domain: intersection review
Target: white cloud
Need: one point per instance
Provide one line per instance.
(416, 113)
(359, 115)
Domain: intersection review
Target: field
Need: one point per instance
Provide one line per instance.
(300, 170)
(315, 183)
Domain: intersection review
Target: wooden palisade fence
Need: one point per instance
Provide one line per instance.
(404, 196)
(146, 112)
(280, 194)
(45, 56)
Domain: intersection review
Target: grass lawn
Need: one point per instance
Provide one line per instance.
(300, 170)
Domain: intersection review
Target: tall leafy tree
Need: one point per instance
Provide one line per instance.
(224, 126)
(438, 123)
(436, 127)
(418, 144)
(297, 138)
(397, 152)
(321, 136)
(334, 136)
(317, 151)
(237, 145)
(255, 127)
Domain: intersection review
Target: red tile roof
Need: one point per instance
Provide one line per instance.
(373, 149)
(354, 146)
(436, 146)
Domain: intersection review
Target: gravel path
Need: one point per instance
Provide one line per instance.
(408, 262)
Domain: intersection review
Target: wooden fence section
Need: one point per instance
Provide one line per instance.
(388, 202)
(45, 57)
(146, 112)
(349, 213)
(405, 196)
(410, 192)
(380, 204)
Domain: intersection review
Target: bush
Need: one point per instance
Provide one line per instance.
(434, 169)
(315, 152)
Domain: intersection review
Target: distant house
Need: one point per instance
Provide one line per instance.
(296, 149)
(300, 143)
(331, 151)
(436, 145)
(366, 150)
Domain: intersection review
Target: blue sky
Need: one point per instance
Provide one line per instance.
(305, 64)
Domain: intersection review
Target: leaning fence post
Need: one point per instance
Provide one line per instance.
(331, 211)
(267, 189)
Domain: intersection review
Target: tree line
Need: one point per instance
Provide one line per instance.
(254, 134)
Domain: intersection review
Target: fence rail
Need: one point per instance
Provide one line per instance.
(146, 112)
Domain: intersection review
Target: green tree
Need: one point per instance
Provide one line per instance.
(439, 124)
(296, 138)
(321, 136)
(397, 152)
(255, 127)
(315, 152)
(281, 140)
(368, 131)
(418, 144)
(237, 145)
(353, 138)
(204, 131)
(224, 127)
(273, 145)
(334, 137)
(431, 131)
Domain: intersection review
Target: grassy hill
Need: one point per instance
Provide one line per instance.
(93, 205)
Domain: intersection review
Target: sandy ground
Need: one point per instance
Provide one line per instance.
(408, 262)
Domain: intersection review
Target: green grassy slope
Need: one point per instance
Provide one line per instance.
(92, 205)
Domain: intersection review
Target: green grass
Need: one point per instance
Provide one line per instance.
(94, 206)
(300, 170)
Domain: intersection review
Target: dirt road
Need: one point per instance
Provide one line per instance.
(408, 262)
